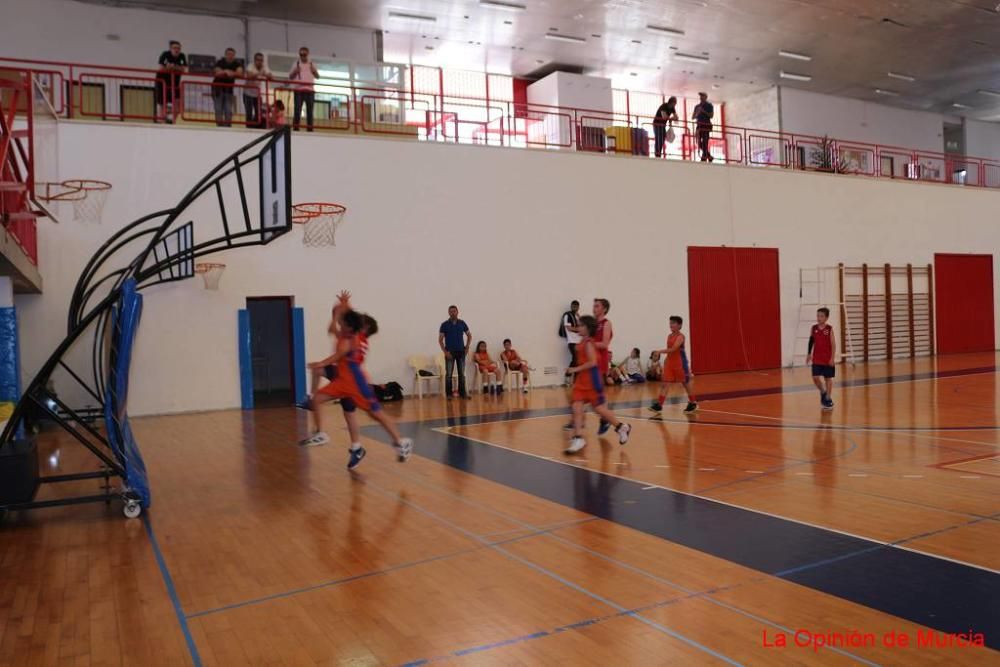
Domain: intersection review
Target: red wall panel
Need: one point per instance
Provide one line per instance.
(735, 304)
(963, 294)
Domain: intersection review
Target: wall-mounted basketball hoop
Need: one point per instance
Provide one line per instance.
(211, 273)
(319, 222)
(87, 196)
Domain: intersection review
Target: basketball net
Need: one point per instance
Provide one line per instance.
(87, 196)
(211, 274)
(319, 223)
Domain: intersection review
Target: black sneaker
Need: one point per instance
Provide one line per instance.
(568, 427)
(603, 428)
(691, 408)
(356, 456)
(656, 407)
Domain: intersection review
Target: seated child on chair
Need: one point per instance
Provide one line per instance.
(487, 366)
(515, 363)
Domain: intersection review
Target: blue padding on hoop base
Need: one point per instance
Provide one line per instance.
(124, 324)
(10, 357)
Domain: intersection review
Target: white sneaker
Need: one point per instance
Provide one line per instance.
(316, 439)
(575, 445)
(403, 449)
(524, 390)
(623, 433)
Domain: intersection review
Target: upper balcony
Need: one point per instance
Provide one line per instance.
(426, 104)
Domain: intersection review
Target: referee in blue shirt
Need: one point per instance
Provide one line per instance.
(454, 339)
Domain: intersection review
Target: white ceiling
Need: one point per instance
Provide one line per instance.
(951, 48)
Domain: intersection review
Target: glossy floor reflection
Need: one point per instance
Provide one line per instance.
(697, 543)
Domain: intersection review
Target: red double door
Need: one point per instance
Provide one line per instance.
(964, 305)
(735, 306)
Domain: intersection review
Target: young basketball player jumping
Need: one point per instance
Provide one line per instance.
(350, 385)
(588, 387)
(822, 351)
(676, 369)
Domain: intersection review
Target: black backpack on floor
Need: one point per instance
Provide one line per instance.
(389, 392)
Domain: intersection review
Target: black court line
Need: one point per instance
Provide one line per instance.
(940, 594)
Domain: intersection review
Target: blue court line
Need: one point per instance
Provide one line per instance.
(690, 592)
(576, 625)
(552, 575)
(172, 591)
(330, 583)
(368, 575)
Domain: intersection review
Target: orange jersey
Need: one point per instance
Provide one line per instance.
(587, 384)
(677, 368)
(484, 362)
(350, 384)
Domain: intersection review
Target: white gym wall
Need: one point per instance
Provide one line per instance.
(509, 235)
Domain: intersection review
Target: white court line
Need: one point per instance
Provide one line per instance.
(857, 474)
(661, 466)
(848, 428)
(651, 486)
(754, 472)
(912, 476)
(870, 540)
(706, 469)
(805, 474)
(970, 476)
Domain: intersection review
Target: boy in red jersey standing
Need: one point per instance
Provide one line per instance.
(822, 352)
(676, 369)
(588, 387)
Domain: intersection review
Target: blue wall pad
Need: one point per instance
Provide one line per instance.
(246, 368)
(299, 353)
(10, 363)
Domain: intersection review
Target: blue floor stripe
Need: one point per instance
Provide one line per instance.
(172, 592)
(945, 595)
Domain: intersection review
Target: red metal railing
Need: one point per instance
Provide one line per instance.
(426, 113)
(17, 161)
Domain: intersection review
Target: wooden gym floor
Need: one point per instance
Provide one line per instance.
(700, 542)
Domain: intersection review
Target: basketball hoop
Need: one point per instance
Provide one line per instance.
(87, 196)
(319, 222)
(211, 273)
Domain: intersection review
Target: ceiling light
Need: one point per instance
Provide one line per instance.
(565, 38)
(991, 93)
(887, 93)
(690, 58)
(412, 17)
(506, 6)
(794, 56)
(660, 30)
(901, 77)
(795, 77)
(960, 106)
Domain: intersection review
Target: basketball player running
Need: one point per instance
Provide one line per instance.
(589, 388)
(822, 350)
(350, 385)
(602, 343)
(676, 369)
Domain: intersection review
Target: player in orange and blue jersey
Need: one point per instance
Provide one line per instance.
(676, 368)
(350, 385)
(588, 387)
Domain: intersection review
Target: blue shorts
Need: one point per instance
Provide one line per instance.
(330, 372)
(822, 371)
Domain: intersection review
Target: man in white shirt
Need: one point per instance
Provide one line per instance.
(571, 320)
(305, 72)
(255, 92)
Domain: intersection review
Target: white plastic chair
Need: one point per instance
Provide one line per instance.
(477, 376)
(422, 362)
(512, 379)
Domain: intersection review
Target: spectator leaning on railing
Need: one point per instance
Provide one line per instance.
(305, 73)
(255, 93)
(172, 63)
(227, 70)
